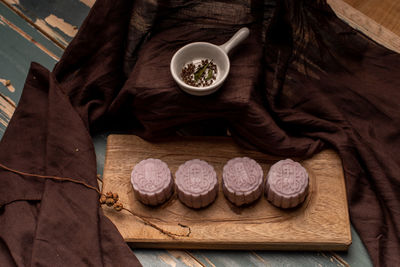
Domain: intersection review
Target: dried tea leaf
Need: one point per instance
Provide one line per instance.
(200, 72)
(210, 74)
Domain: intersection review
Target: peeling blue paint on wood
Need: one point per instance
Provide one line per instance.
(99, 142)
(59, 18)
(17, 51)
(264, 258)
(161, 258)
(357, 255)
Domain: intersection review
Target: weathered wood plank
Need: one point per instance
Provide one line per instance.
(5, 21)
(166, 258)
(384, 12)
(357, 255)
(7, 107)
(356, 19)
(20, 45)
(216, 258)
(263, 258)
(89, 3)
(15, 22)
(58, 19)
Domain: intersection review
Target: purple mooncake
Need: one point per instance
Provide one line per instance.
(152, 182)
(242, 180)
(196, 183)
(287, 184)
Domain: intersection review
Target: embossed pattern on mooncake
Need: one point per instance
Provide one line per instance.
(286, 184)
(152, 182)
(196, 183)
(242, 180)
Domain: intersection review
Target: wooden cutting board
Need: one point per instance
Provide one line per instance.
(320, 223)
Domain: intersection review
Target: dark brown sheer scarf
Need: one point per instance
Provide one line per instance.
(303, 80)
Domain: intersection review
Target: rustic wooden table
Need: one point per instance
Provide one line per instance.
(40, 30)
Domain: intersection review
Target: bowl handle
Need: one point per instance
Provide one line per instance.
(236, 39)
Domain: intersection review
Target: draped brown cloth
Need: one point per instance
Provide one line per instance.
(302, 81)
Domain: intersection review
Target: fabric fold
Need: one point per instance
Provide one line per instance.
(60, 223)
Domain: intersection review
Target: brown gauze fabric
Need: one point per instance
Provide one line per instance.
(303, 81)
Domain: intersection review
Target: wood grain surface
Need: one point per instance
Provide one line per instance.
(321, 223)
(384, 12)
(376, 30)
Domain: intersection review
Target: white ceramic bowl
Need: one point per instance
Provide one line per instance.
(194, 52)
